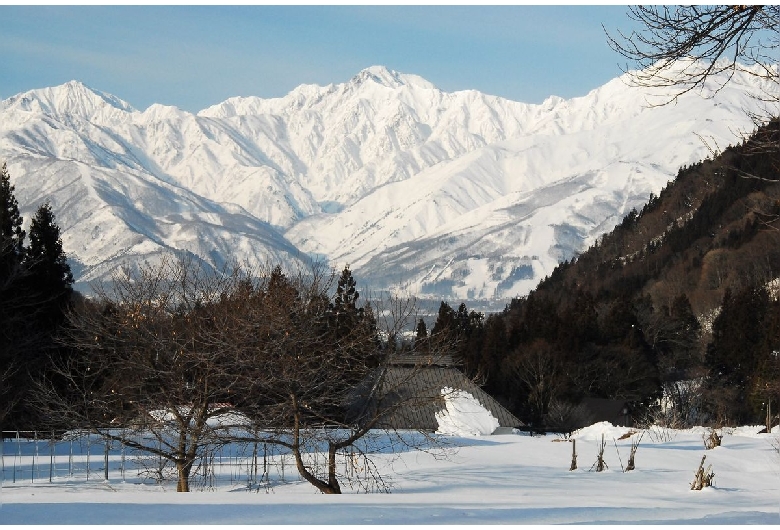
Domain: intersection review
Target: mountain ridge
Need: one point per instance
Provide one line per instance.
(383, 169)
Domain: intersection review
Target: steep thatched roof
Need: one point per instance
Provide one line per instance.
(414, 392)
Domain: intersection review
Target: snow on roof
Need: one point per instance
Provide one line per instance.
(464, 415)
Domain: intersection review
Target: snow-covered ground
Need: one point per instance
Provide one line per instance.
(509, 478)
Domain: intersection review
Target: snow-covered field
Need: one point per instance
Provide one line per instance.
(507, 478)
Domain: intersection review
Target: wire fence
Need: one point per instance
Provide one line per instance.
(38, 458)
(30, 457)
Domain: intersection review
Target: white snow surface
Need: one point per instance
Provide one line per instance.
(457, 195)
(499, 479)
(464, 415)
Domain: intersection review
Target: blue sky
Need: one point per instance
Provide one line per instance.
(197, 56)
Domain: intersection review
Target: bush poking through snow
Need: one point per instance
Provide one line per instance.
(712, 440)
(632, 455)
(600, 464)
(703, 479)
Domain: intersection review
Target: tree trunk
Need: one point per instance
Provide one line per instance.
(183, 469)
(332, 486)
(769, 415)
(332, 480)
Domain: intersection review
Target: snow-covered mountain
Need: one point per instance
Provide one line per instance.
(454, 195)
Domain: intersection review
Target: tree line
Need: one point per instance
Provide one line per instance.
(35, 294)
(674, 311)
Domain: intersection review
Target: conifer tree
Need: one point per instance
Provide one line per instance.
(421, 332)
(45, 288)
(421, 342)
(11, 233)
(445, 320)
(737, 350)
(345, 301)
(345, 313)
(48, 266)
(14, 336)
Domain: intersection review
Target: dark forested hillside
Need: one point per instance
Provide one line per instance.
(632, 318)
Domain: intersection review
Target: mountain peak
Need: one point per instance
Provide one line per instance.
(384, 76)
(67, 99)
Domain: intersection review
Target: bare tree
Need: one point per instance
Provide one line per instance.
(324, 390)
(718, 39)
(176, 360)
(153, 366)
(7, 398)
(685, 47)
(539, 368)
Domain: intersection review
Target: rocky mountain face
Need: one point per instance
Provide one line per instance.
(446, 195)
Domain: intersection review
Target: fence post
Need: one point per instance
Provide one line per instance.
(18, 453)
(254, 462)
(105, 460)
(89, 446)
(265, 462)
(35, 454)
(51, 457)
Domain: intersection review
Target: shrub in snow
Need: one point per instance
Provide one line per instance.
(634, 447)
(464, 415)
(600, 464)
(703, 479)
(712, 440)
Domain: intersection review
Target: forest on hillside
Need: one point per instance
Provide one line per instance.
(678, 302)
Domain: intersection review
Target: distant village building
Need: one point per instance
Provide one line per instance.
(414, 383)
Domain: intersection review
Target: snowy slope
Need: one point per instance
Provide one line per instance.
(461, 195)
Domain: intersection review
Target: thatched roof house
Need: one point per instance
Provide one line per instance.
(412, 385)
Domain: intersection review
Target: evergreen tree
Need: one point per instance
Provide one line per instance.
(47, 289)
(347, 321)
(737, 350)
(345, 301)
(494, 347)
(422, 343)
(15, 335)
(280, 291)
(11, 233)
(345, 314)
(11, 244)
(421, 331)
(445, 320)
(344, 306)
(48, 267)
